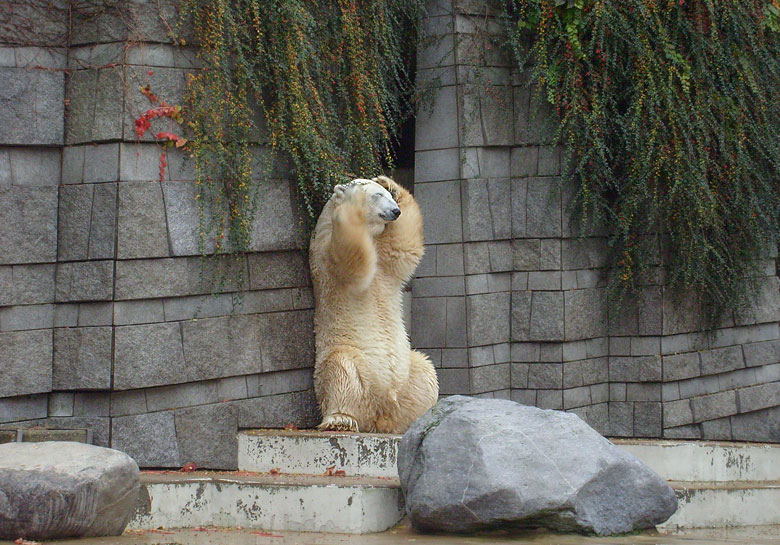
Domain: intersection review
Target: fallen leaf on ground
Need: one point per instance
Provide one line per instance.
(275, 471)
(337, 473)
(189, 467)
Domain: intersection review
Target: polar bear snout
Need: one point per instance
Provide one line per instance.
(391, 215)
(385, 206)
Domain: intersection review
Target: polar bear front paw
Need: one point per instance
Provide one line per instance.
(338, 422)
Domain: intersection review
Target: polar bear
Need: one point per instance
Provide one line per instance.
(365, 247)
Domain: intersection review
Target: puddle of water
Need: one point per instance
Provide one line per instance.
(403, 534)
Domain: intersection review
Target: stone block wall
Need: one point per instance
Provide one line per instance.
(107, 320)
(510, 299)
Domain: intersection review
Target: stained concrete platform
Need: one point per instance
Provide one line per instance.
(312, 503)
(312, 452)
(280, 485)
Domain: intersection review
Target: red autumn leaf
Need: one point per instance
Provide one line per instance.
(189, 466)
(147, 92)
(275, 471)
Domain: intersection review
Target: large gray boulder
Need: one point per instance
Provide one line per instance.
(474, 464)
(58, 489)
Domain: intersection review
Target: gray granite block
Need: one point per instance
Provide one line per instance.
(150, 439)
(277, 411)
(648, 419)
(490, 378)
(141, 221)
(454, 381)
(20, 408)
(25, 362)
(75, 213)
(713, 406)
(28, 224)
(61, 403)
(149, 355)
(547, 316)
(279, 382)
(488, 318)
(20, 318)
(33, 104)
(721, 360)
(206, 435)
(82, 358)
(441, 209)
(91, 404)
(763, 396)
(26, 284)
(85, 281)
(95, 105)
(181, 395)
(681, 366)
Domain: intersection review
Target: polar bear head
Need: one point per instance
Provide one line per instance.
(381, 208)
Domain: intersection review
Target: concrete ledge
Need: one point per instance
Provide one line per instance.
(724, 505)
(707, 461)
(352, 505)
(309, 452)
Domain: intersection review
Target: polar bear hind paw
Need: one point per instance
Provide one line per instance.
(338, 422)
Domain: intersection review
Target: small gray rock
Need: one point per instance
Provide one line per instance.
(59, 489)
(475, 464)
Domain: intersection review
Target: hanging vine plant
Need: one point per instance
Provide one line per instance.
(669, 113)
(321, 85)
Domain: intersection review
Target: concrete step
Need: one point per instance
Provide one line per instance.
(725, 505)
(707, 461)
(274, 502)
(311, 452)
(718, 484)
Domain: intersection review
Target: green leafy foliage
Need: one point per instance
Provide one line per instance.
(671, 120)
(322, 85)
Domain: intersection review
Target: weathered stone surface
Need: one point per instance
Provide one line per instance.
(441, 210)
(476, 464)
(173, 277)
(33, 106)
(82, 358)
(487, 209)
(95, 110)
(26, 284)
(29, 407)
(276, 411)
(58, 489)
(28, 224)
(234, 341)
(25, 362)
(271, 270)
(488, 318)
(141, 222)
(149, 355)
(207, 435)
(85, 281)
(102, 226)
(30, 166)
(150, 439)
(75, 212)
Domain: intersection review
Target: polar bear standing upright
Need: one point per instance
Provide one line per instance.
(365, 247)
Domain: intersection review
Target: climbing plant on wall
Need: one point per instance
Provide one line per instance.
(319, 85)
(670, 116)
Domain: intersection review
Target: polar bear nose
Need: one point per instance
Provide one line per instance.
(395, 212)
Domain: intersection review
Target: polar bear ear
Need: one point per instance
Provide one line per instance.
(340, 190)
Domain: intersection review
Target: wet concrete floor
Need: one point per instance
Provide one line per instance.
(402, 534)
